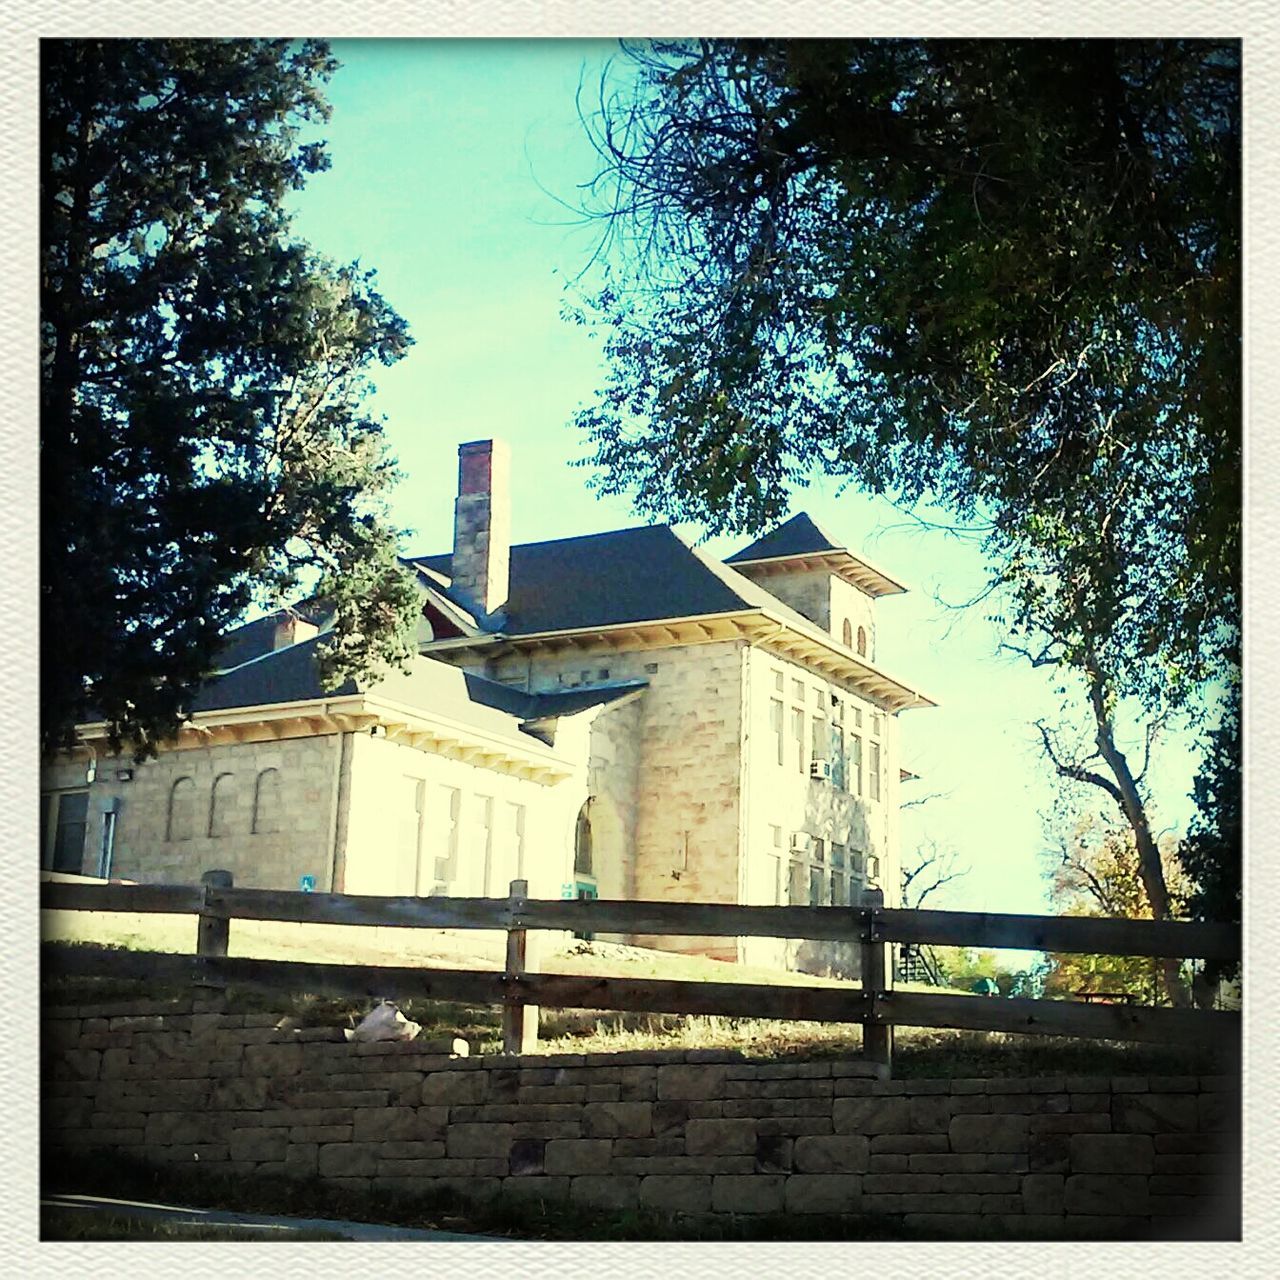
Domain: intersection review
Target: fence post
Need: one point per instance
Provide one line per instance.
(213, 933)
(877, 980)
(519, 1020)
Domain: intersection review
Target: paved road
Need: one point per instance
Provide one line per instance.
(271, 1227)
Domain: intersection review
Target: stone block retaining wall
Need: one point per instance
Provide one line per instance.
(694, 1132)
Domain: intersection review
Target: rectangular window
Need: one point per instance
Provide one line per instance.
(855, 765)
(837, 711)
(777, 680)
(839, 760)
(482, 866)
(818, 849)
(857, 717)
(445, 839)
(873, 771)
(817, 887)
(855, 861)
(507, 858)
(409, 814)
(877, 724)
(797, 690)
(774, 888)
(63, 842)
(873, 869)
(797, 737)
(820, 739)
(796, 885)
(775, 725)
(838, 891)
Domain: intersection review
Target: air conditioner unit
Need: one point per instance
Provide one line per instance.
(820, 769)
(801, 840)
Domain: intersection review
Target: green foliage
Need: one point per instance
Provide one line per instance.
(202, 372)
(1001, 276)
(1213, 848)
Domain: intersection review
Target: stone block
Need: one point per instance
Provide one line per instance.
(1027, 1104)
(1049, 1153)
(1109, 1195)
(748, 1193)
(272, 1059)
(793, 1126)
(527, 1155)
(681, 1193)
(720, 1137)
(1112, 1153)
(546, 1190)
(899, 1183)
(407, 1150)
(890, 1163)
(240, 1094)
(930, 1114)
(773, 1153)
(908, 1144)
(874, 1115)
(348, 1159)
(989, 1133)
(576, 1156)
(617, 1120)
(1154, 1113)
(454, 1088)
(616, 1191)
(470, 1141)
(686, 1081)
(258, 1144)
(1072, 1122)
(387, 1124)
(832, 1153)
(823, 1193)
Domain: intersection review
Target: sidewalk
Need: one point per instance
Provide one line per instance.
(271, 1227)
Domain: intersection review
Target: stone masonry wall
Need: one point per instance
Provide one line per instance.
(700, 1132)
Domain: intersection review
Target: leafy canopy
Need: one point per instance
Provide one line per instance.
(1002, 277)
(203, 442)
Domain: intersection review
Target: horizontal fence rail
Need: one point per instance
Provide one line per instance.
(1094, 935)
(869, 926)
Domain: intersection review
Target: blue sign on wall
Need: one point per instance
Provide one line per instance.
(307, 884)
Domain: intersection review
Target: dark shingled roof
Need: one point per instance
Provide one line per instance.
(256, 638)
(292, 675)
(281, 675)
(604, 579)
(799, 536)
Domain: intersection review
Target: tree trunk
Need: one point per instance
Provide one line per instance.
(1150, 868)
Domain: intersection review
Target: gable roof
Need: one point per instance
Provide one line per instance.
(803, 540)
(801, 535)
(606, 579)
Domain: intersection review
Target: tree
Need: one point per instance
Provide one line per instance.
(1211, 854)
(1001, 277)
(929, 869)
(1093, 871)
(203, 443)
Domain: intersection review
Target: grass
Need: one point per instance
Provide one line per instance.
(60, 1223)
(920, 1052)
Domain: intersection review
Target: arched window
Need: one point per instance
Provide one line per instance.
(182, 809)
(582, 864)
(862, 642)
(221, 803)
(266, 802)
(847, 634)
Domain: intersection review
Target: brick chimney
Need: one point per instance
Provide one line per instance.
(482, 525)
(291, 629)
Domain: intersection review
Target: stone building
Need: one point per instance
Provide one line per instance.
(617, 715)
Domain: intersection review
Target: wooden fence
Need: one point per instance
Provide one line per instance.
(870, 925)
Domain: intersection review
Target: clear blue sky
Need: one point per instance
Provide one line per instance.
(443, 156)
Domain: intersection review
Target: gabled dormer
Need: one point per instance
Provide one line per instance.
(800, 564)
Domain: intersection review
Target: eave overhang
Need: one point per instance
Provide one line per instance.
(773, 632)
(856, 570)
(360, 713)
